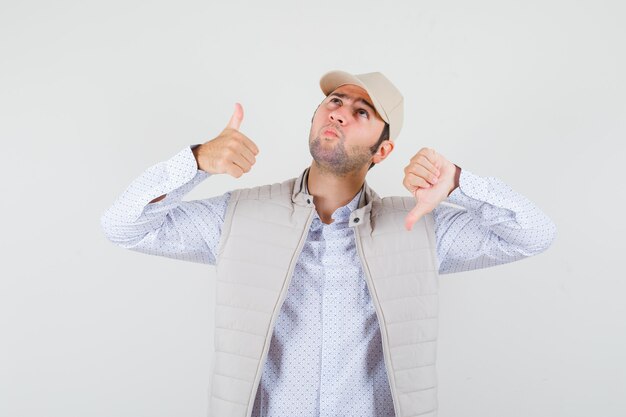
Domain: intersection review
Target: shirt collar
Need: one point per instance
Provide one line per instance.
(366, 196)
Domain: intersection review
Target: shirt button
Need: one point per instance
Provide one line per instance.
(308, 201)
(356, 219)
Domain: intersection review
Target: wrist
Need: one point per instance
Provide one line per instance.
(456, 179)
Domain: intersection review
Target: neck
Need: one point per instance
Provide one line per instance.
(331, 191)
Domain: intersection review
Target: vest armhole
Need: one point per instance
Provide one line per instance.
(429, 225)
(228, 220)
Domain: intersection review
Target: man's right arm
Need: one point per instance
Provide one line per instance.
(170, 227)
(150, 216)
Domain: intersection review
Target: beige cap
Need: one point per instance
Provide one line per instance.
(386, 98)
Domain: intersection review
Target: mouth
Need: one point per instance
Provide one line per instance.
(330, 132)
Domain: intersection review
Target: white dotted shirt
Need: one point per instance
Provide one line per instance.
(325, 358)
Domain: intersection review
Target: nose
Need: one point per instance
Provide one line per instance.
(338, 116)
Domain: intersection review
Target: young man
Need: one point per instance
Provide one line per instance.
(326, 294)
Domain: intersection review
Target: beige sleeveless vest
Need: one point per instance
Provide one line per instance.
(264, 231)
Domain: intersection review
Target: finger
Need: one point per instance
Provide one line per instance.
(241, 162)
(413, 216)
(424, 160)
(247, 153)
(236, 118)
(422, 172)
(250, 145)
(245, 141)
(412, 182)
(433, 155)
(234, 170)
(436, 159)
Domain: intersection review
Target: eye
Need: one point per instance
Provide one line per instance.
(363, 112)
(335, 100)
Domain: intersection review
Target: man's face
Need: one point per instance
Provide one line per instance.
(344, 128)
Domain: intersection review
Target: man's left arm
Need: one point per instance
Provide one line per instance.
(496, 226)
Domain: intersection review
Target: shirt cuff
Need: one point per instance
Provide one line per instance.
(174, 177)
(474, 190)
(492, 200)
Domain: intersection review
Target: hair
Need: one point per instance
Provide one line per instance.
(383, 137)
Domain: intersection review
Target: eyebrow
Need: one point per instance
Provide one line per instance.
(367, 103)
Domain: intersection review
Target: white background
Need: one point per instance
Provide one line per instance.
(93, 93)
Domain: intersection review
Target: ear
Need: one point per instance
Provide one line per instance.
(383, 151)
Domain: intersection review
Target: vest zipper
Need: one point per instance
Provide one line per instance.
(370, 285)
(294, 261)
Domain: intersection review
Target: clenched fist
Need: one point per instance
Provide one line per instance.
(430, 178)
(231, 152)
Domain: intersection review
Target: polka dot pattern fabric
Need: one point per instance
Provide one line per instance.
(325, 357)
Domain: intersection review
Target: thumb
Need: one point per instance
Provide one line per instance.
(414, 215)
(236, 118)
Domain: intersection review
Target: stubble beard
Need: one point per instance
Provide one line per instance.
(337, 160)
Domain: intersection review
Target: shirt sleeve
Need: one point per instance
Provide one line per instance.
(494, 225)
(185, 230)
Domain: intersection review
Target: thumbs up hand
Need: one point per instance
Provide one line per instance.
(430, 178)
(231, 152)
